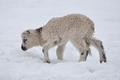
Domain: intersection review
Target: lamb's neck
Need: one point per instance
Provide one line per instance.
(41, 41)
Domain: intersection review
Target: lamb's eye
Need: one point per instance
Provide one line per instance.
(24, 40)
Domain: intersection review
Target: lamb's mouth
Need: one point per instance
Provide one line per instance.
(23, 48)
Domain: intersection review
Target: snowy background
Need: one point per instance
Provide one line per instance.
(19, 15)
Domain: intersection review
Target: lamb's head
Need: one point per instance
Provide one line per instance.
(30, 38)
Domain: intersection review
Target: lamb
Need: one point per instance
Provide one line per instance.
(76, 28)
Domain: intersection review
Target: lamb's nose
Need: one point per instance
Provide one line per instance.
(23, 48)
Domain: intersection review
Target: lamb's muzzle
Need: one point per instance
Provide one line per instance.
(23, 48)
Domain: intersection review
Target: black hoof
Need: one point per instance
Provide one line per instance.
(103, 61)
(104, 58)
(100, 61)
(48, 61)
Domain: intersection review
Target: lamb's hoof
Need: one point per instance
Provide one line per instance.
(47, 61)
(103, 61)
(82, 60)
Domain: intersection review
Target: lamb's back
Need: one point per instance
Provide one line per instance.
(67, 26)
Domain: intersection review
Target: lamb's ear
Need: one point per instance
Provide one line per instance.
(39, 29)
(28, 32)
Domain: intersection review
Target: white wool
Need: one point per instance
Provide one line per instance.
(68, 27)
(76, 28)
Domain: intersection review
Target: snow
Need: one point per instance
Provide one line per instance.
(19, 15)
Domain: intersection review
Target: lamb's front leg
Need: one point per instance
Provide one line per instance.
(60, 51)
(47, 46)
(46, 56)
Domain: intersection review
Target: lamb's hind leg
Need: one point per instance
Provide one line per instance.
(60, 51)
(82, 47)
(85, 51)
(99, 46)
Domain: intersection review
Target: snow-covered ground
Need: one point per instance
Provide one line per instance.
(19, 15)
